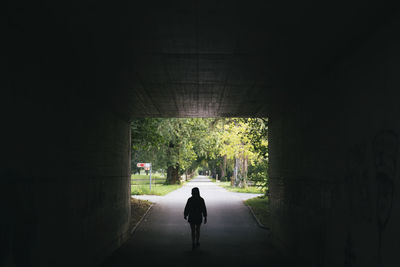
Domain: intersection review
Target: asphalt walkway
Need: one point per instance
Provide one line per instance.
(231, 236)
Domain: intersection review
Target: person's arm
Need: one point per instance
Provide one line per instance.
(186, 211)
(204, 211)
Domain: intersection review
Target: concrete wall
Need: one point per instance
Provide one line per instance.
(335, 162)
(64, 187)
(64, 172)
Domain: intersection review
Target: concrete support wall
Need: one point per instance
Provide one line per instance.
(64, 179)
(335, 186)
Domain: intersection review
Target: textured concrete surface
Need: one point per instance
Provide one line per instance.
(326, 75)
(334, 164)
(189, 58)
(231, 236)
(70, 199)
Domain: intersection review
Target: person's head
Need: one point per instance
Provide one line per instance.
(195, 192)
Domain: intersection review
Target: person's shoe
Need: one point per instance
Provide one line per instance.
(193, 246)
(198, 244)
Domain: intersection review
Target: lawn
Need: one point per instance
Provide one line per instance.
(159, 189)
(140, 185)
(138, 179)
(248, 189)
(260, 208)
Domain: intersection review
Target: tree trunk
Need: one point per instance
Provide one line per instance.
(213, 172)
(244, 171)
(235, 173)
(223, 167)
(173, 175)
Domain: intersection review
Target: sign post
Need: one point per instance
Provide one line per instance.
(150, 176)
(147, 167)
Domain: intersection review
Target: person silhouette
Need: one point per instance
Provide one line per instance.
(196, 209)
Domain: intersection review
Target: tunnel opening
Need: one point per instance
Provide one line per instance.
(220, 156)
(232, 150)
(227, 160)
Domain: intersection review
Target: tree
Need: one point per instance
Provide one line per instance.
(235, 144)
(188, 141)
(145, 141)
(181, 145)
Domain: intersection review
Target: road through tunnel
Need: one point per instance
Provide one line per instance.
(324, 75)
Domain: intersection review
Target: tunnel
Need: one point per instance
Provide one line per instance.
(326, 74)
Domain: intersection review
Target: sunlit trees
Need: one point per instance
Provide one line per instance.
(242, 141)
(182, 145)
(258, 136)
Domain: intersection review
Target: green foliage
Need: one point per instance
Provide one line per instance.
(171, 142)
(181, 145)
(258, 173)
(159, 190)
(146, 141)
(244, 142)
(248, 189)
(260, 207)
(146, 134)
(138, 179)
(258, 135)
(140, 185)
(234, 140)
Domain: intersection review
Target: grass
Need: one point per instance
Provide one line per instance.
(138, 179)
(260, 207)
(248, 189)
(138, 209)
(140, 185)
(159, 190)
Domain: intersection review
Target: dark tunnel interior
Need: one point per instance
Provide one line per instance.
(326, 74)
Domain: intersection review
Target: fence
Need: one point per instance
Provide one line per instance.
(143, 181)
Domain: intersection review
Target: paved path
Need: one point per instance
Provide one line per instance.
(230, 238)
(156, 199)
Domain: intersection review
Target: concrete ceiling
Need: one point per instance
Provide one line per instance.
(194, 58)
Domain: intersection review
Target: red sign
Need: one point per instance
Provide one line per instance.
(143, 165)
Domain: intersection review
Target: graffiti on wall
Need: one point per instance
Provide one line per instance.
(357, 183)
(385, 152)
(358, 195)
(363, 177)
